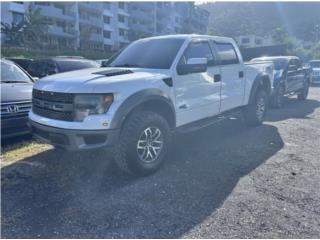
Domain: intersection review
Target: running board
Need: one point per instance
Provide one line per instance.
(206, 122)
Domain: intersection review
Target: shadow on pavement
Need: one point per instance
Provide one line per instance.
(82, 195)
(293, 108)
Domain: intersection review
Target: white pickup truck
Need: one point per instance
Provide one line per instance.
(154, 87)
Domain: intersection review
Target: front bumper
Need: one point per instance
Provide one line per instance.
(12, 127)
(72, 139)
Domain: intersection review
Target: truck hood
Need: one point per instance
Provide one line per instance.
(15, 92)
(100, 80)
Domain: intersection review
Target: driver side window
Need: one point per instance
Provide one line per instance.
(199, 49)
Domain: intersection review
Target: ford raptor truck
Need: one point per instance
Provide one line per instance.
(156, 86)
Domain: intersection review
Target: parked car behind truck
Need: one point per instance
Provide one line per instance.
(44, 67)
(16, 94)
(289, 78)
(315, 66)
(153, 88)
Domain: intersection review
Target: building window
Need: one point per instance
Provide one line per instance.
(106, 19)
(17, 17)
(121, 5)
(106, 34)
(106, 5)
(245, 40)
(121, 18)
(258, 41)
(123, 33)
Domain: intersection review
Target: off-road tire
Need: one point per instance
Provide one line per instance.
(303, 94)
(125, 153)
(277, 98)
(251, 113)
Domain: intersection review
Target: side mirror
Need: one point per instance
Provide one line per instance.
(35, 79)
(194, 65)
(292, 68)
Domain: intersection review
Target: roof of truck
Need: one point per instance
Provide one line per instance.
(190, 36)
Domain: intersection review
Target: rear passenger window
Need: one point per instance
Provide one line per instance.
(227, 53)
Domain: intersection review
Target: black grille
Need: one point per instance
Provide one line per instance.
(65, 116)
(53, 97)
(21, 108)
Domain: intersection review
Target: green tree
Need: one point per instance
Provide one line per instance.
(13, 33)
(35, 26)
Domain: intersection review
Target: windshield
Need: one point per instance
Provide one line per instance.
(10, 73)
(149, 53)
(315, 64)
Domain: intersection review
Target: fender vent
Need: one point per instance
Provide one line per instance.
(114, 72)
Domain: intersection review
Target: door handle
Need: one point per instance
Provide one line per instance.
(241, 74)
(183, 106)
(217, 78)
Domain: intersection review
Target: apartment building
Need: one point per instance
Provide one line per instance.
(78, 25)
(159, 18)
(109, 25)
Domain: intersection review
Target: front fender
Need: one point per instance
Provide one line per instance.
(137, 99)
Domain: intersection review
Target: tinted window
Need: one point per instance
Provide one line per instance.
(198, 50)
(227, 53)
(149, 53)
(315, 64)
(70, 65)
(12, 73)
(42, 68)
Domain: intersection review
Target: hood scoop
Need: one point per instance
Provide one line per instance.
(113, 72)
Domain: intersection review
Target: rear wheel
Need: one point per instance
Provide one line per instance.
(255, 112)
(144, 143)
(303, 94)
(278, 97)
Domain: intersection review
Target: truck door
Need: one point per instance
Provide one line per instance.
(232, 76)
(197, 94)
(295, 75)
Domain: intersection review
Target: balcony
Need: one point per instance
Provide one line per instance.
(123, 25)
(94, 6)
(123, 12)
(59, 31)
(107, 12)
(92, 21)
(107, 27)
(50, 11)
(123, 39)
(16, 7)
(96, 37)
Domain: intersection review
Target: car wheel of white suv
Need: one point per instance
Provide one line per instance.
(143, 144)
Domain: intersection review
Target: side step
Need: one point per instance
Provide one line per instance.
(190, 127)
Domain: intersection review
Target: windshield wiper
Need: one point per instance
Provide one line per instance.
(127, 65)
(13, 81)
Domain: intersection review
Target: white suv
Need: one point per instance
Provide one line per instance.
(152, 88)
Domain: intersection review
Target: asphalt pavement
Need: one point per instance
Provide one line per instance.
(224, 181)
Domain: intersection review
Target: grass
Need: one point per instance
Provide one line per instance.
(21, 150)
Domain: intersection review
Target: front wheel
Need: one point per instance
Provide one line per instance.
(255, 112)
(303, 94)
(144, 143)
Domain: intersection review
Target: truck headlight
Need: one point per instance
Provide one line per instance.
(90, 104)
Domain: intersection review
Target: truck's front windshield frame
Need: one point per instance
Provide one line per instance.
(149, 53)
